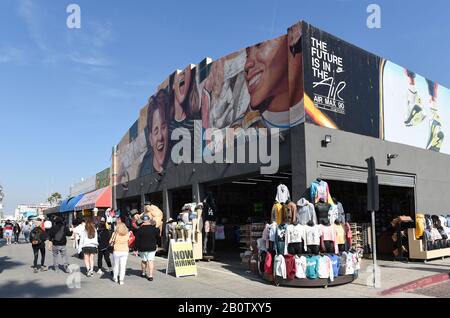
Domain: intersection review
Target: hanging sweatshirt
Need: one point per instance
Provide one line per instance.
(272, 232)
(348, 233)
(305, 212)
(312, 235)
(265, 236)
(341, 212)
(279, 266)
(347, 266)
(420, 225)
(290, 266)
(300, 266)
(443, 221)
(320, 190)
(282, 194)
(333, 214)
(328, 233)
(312, 266)
(276, 213)
(325, 268)
(280, 239)
(340, 234)
(335, 262)
(295, 234)
(268, 264)
(292, 208)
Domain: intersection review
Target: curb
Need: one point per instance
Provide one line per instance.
(416, 284)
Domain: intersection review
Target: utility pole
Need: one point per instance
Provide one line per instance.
(373, 204)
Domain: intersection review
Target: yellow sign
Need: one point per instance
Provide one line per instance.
(181, 259)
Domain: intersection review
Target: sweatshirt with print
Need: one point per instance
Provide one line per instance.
(312, 266)
(328, 233)
(300, 266)
(305, 212)
(312, 235)
(325, 268)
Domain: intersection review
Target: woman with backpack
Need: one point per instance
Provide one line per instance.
(119, 241)
(88, 245)
(37, 239)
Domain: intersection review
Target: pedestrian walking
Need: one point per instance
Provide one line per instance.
(145, 244)
(8, 231)
(26, 231)
(80, 227)
(104, 236)
(17, 231)
(38, 238)
(119, 240)
(89, 246)
(58, 239)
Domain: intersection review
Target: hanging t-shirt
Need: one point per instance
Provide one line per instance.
(325, 268)
(312, 266)
(279, 266)
(276, 215)
(290, 266)
(335, 262)
(300, 266)
(280, 239)
(333, 214)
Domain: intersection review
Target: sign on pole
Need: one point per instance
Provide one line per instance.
(180, 259)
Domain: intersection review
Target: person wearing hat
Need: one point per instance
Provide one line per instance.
(145, 244)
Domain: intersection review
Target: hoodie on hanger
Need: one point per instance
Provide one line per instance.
(305, 212)
(282, 194)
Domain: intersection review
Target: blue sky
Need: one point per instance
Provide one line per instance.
(67, 96)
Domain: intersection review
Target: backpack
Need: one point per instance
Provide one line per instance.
(59, 235)
(35, 237)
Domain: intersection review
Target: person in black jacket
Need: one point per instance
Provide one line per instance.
(103, 247)
(146, 237)
(37, 239)
(58, 238)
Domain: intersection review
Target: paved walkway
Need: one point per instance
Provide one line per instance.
(215, 279)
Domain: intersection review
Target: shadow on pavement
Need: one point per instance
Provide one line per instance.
(422, 269)
(31, 289)
(7, 263)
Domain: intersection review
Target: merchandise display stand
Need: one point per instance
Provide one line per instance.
(305, 282)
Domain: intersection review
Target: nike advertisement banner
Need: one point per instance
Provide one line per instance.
(416, 110)
(341, 84)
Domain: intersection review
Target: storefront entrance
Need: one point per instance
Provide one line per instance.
(241, 202)
(394, 201)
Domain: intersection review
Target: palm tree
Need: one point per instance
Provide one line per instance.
(54, 198)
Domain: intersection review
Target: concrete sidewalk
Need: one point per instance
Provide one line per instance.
(215, 279)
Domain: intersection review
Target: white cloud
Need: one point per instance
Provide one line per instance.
(31, 15)
(11, 54)
(88, 60)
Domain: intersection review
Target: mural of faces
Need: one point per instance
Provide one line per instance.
(158, 130)
(181, 90)
(266, 75)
